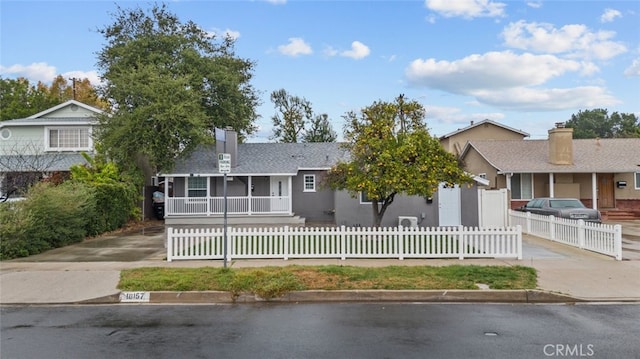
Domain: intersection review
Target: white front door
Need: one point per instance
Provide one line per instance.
(279, 194)
(449, 206)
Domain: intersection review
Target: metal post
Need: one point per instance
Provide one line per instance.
(224, 186)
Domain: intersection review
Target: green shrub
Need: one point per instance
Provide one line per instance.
(59, 213)
(14, 224)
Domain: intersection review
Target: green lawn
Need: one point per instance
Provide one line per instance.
(270, 282)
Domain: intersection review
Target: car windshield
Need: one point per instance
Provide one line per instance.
(565, 203)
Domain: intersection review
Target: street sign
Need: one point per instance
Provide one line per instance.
(224, 163)
(224, 166)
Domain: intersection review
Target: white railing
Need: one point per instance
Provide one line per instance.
(344, 242)
(206, 206)
(597, 237)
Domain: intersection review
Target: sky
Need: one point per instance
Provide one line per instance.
(524, 64)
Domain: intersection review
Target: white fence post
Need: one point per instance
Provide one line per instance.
(400, 233)
(581, 233)
(343, 230)
(519, 240)
(552, 227)
(461, 242)
(169, 244)
(285, 238)
(617, 241)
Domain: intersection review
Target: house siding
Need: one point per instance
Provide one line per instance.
(315, 206)
(484, 131)
(24, 141)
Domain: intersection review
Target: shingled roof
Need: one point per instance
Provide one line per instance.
(617, 155)
(264, 159)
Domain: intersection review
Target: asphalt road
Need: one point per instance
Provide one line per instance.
(402, 330)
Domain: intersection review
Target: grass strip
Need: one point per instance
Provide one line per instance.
(271, 282)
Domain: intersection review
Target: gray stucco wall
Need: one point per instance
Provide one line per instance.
(350, 212)
(313, 206)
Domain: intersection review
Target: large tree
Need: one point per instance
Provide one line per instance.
(597, 123)
(293, 114)
(20, 99)
(169, 83)
(320, 130)
(391, 153)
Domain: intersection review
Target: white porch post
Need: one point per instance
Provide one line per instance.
(551, 186)
(249, 184)
(594, 191)
(290, 196)
(208, 196)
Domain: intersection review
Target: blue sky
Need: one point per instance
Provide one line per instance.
(526, 64)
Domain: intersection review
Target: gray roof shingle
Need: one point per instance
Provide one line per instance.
(265, 159)
(589, 155)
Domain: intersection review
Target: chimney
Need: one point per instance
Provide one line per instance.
(561, 145)
(229, 145)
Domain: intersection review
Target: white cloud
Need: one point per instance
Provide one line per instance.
(466, 8)
(510, 81)
(37, 71)
(45, 73)
(221, 34)
(634, 69)
(530, 99)
(534, 4)
(358, 51)
(453, 115)
(330, 51)
(496, 70)
(609, 15)
(572, 40)
(296, 46)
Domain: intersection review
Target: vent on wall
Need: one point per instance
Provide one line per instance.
(410, 222)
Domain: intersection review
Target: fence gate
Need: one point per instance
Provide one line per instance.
(493, 207)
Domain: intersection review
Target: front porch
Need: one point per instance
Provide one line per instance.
(250, 200)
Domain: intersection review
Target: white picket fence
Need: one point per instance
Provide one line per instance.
(344, 242)
(597, 237)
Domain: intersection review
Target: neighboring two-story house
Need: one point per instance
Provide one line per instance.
(45, 143)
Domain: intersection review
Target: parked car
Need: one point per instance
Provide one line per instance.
(570, 208)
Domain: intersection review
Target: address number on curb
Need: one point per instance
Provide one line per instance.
(135, 297)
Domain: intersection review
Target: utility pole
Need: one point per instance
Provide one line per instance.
(73, 86)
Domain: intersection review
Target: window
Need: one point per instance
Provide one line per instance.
(196, 186)
(309, 183)
(637, 180)
(364, 198)
(74, 138)
(5, 134)
(521, 187)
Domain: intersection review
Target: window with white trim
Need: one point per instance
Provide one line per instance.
(309, 183)
(521, 186)
(196, 186)
(364, 199)
(68, 139)
(637, 180)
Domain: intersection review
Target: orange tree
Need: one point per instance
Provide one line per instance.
(392, 152)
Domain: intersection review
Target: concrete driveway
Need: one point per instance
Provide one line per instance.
(131, 246)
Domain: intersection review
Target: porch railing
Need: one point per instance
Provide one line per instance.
(596, 237)
(185, 206)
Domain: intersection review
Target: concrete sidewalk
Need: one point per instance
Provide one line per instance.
(565, 274)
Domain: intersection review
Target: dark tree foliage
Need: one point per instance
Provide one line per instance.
(597, 123)
(169, 84)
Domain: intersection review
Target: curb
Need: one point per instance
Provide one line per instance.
(346, 296)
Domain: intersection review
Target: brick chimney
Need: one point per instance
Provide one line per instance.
(229, 145)
(561, 145)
